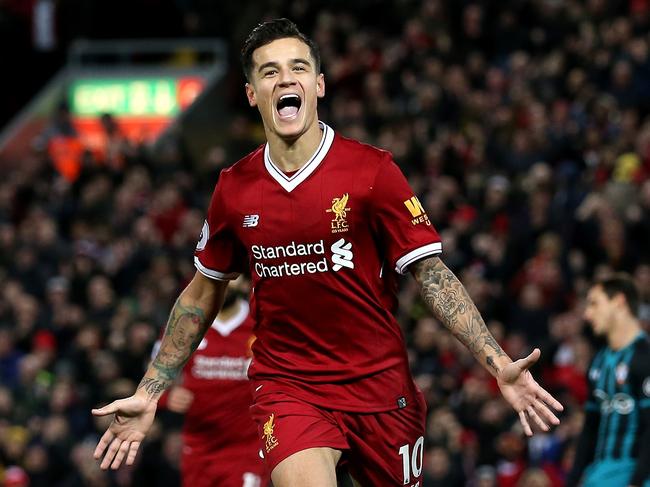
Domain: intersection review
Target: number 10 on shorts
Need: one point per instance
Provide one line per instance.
(412, 460)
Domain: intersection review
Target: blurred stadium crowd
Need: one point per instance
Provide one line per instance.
(524, 126)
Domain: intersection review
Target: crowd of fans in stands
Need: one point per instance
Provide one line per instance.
(524, 126)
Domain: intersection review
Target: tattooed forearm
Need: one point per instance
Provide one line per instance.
(153, 386)
(185, 329)
(166, 363)
(449, 301)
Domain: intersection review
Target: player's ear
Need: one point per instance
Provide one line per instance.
(250, 95)
(320, 85)
(619, 300)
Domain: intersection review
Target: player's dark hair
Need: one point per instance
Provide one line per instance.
(621, 283)
(270, 31)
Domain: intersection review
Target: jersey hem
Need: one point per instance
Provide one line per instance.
(321, 402)
(426, 250)
(212, 274)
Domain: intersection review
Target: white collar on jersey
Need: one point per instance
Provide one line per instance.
(289, 183)
(226, 327)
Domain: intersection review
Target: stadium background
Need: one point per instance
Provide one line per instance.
(524, 127)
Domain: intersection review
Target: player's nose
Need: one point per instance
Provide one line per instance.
(287, 77)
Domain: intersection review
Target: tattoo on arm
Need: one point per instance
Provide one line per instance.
(153, 386)
(185, 329)
(449, 301)
(490, 361)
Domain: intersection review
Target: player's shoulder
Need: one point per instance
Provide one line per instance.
(248, 164)
(644, 341)
(362, 152)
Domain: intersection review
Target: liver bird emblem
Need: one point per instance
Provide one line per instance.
(268, 426)
(339, 207)
(271, 442)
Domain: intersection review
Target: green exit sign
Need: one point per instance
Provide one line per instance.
(125, 97)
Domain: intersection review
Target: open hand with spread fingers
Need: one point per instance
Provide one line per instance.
(133, 418)
(526, 396)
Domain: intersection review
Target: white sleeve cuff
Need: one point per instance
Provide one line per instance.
(212, 274)
(401, 266)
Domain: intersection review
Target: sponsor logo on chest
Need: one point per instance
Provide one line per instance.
(300, 258)
(295, 259)
(620, 402)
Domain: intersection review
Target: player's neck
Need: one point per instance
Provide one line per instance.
(291, 155)
(624, 334)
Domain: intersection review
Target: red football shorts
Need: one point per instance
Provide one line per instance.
(381, 449)
(214, 470)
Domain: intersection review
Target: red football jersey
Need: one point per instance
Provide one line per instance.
(218, 418)
(324, 246)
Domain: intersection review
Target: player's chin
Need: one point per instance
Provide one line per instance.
(290, 130)
(598, 330)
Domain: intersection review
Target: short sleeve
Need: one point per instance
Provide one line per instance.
(404, 227)
(219, 254)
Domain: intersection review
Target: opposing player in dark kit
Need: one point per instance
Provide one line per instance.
(614, 446)
(326, 225)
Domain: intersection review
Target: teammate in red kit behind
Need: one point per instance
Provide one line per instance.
(220, 442)
(326, 225)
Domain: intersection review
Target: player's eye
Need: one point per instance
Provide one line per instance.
(299, 67)
(270, 72)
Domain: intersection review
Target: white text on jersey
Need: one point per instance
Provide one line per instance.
(341, 256)
(225, 368)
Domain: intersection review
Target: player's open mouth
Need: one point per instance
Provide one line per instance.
(288, 106)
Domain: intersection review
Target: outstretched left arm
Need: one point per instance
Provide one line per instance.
(450, 303)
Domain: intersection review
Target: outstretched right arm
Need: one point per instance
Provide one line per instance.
(191, 316)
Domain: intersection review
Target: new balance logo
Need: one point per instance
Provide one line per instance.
(251, 220)
(342, 255)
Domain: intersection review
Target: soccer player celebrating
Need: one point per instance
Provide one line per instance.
(325, 224)
(614, 446)
(220, 443)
